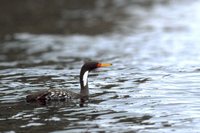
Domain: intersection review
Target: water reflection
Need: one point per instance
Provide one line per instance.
(152, 86)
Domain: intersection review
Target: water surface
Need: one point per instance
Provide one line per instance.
(153, 85)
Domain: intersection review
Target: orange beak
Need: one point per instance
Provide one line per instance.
(103, 64)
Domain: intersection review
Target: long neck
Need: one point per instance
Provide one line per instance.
(84, 83)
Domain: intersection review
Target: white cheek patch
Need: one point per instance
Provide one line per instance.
(85, 77)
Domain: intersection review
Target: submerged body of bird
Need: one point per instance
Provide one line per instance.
(63, 95)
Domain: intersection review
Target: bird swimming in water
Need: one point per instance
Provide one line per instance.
(62, 95)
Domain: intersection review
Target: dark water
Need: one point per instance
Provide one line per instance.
(153, 85)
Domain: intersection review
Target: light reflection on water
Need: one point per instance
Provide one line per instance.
(152, 86)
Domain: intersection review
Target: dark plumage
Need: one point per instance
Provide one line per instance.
(62, 95)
